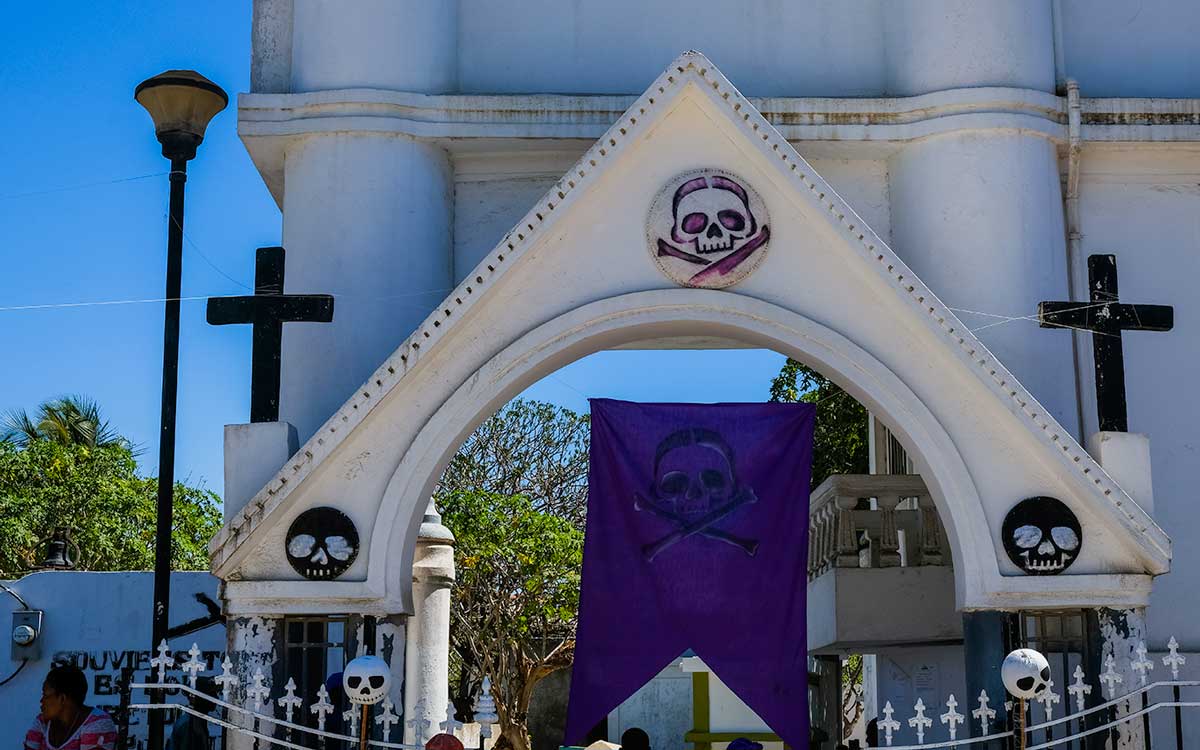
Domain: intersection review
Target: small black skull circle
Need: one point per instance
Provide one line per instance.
(322, 543)
(1042, 536)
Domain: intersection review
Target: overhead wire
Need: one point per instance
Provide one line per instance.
(81, 186)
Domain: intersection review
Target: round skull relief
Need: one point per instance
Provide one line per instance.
(322, 543)
(366, 680)
(707, 228)
(1042, 536)
(1025, 673)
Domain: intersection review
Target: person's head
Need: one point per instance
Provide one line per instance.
(63, 692)
(873, 733)
(635, 739)
(741, 743)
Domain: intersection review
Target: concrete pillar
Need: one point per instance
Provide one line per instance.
(986, 641)
(1117, 633)
(427, 662)
(932, 45)
(254, 644)
(402, 45)
(368, 218)
(253, 454)
(978, 216)
(1126, 458)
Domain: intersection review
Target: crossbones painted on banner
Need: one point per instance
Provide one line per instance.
(714, 226)
(695, 487)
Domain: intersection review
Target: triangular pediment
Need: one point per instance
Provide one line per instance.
(584, 254)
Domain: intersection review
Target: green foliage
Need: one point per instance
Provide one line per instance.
(527, 448)
(522, 562)
(840, 442)
(95, 491)
(515, 497)
(68, 420)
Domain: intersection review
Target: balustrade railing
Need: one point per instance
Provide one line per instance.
(873, 521)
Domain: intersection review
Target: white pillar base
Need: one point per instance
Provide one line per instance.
(253, 454)
(1126, 458)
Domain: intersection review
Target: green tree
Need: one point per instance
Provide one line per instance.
(68, 420)
(840, 441)
(85, 478)
(515, 600)
(515, 497)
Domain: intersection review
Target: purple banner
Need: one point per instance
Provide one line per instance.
(697, 538)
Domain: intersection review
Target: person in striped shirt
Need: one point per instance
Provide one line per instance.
(64, 722)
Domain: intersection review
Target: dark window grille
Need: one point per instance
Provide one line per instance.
(314, 649)
(1062, 637)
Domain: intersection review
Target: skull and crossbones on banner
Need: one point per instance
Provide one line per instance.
(695, 487)
(707, 228)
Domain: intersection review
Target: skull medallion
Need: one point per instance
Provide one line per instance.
(322, 543)
(1042, 536)
(366, 680)
(707, 228)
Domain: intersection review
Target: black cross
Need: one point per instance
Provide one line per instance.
(268, 310)
(1106, 317)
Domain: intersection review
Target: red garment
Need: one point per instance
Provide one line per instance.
(97, 732)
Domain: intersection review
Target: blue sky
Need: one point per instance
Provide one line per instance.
(83, 196)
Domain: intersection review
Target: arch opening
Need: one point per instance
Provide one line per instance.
(624, 321)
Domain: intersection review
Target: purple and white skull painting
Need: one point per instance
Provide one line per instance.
(707, 228)
(695, 487)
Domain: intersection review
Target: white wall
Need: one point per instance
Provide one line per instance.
(929, 673)
(1123, 48)
(1144, 207)
(491, 193)
(662, 707)
(101, 622)
(769, 47)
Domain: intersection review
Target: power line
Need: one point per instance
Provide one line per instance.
(141, 301)
(81, 186)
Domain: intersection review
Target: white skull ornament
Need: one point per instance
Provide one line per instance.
(707, 228)
(1025, 673)
(366, 680)
(711, 214)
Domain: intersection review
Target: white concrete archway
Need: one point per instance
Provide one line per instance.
(655, 315)
(574, 277)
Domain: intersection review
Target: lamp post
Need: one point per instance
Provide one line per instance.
(181, 103)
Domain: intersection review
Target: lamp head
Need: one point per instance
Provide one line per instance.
(181, 103)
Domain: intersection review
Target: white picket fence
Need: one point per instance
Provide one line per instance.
(1122, 710)
(254, 722)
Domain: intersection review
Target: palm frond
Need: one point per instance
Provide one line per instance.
(19, 428)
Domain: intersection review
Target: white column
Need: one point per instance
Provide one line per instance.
(933, 45)
(367, 218)
(253, 646)
(978, 213)
(427, 651)
(403, 45)
(978, 216)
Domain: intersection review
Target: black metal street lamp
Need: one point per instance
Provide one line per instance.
(181, 103)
